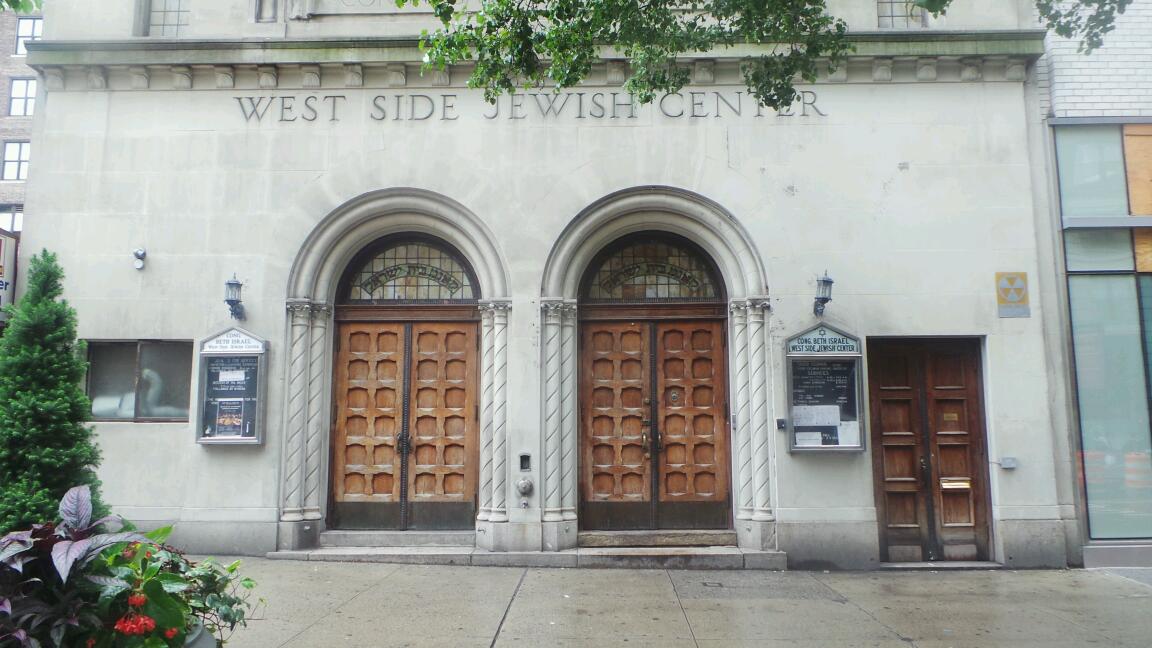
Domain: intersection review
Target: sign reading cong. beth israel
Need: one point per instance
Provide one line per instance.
(576, 107)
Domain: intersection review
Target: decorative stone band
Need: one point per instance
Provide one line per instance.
(929, 56)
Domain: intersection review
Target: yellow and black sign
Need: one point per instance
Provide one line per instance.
(1012, 294)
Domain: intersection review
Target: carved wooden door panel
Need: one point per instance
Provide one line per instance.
(368, 395)
(442, 477)
(615, 468)
(929, 457)
(692, 440)
(404, 441)
(652, 421)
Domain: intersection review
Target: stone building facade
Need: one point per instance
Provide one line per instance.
(564, 314)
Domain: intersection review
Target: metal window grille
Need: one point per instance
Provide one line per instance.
(900, 14)
(27, 29)
(16, 156)
(22, 98)
(411, 272)
(651, 271)
(12, 217)
(168, 17)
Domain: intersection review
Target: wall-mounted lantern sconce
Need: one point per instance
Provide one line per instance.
(232, 298)
(139, 254)
(823, 294)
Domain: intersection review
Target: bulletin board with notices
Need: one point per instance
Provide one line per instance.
(824, 389)
(232, 388)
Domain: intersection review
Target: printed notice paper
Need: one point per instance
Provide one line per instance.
(816, 416)
(232, 375)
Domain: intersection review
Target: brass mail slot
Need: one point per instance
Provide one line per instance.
(956, 484)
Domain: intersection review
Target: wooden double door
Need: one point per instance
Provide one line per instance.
(404, 447)
(930, 463)
(654, 432)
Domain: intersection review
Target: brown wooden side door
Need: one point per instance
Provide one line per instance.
(929, 451)
(404, 448)
(652, 419)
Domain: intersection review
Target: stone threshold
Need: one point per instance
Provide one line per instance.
(373, 538)
(947, 565)
(660, 538)
(584, 557)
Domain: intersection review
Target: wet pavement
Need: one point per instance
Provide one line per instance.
(322, 605)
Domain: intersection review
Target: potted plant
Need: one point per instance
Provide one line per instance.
(64, 584)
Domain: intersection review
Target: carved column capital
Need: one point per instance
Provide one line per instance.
(759, 305)
(320, 310)
(300, 9)
(495, 305)
(297, 305)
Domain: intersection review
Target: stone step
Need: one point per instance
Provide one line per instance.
(586, 557)
(663, 538)
(944, 565)
(348, 538)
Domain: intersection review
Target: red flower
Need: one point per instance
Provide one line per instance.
(91, 642)
(137, 600)
(135, 624)
(171, 632)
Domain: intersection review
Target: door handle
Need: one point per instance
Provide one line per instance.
(644, 442)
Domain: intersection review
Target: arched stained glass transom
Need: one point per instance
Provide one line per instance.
(404, 271)
(651, 268)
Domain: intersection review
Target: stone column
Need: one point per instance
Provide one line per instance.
(558, 337)
(741, 437)
(266, 10)
(317, 429)
(569, 423)
(486, 342)
(553, 369)
(295, 416)
(298, 514)
(499, 512)
(758, 408)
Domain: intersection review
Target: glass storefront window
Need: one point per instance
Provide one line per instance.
(1099, 250)
(1090, 161)
(1113, 399)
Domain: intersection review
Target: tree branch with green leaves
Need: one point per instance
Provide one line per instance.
(555, 43)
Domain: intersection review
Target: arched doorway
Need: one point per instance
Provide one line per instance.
(653, 425)
(405, 388)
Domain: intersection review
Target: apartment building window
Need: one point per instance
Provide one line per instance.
(1105, 179)
(12, 217)
(140, 380)
(27, 29)
(167, 17)
(16, 160)
(900, 14)
(22, 98)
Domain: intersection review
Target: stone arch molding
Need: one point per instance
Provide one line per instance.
(312, 285)
(665, 209)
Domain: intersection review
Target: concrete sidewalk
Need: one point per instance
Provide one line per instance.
(324, 605)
